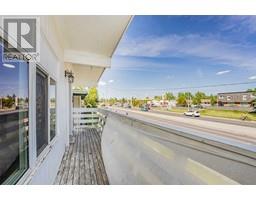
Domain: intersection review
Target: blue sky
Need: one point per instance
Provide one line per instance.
(164, 52)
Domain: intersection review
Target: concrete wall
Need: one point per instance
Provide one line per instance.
(137, 152)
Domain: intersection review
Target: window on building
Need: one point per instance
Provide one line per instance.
(229, 98)
(52, 97)
(221, 97)
(244, 97)
(14, 99)
(41, 110)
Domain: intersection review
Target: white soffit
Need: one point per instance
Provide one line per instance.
(90, 40)
(86, 75)
(86, 58)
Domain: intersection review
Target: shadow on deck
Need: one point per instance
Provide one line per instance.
(82, 163)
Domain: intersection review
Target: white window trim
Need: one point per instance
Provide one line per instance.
(49, 113)
(34, 159)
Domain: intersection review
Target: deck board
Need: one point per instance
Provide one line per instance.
(82, 163)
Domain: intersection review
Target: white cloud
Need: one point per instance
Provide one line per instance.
(102, 83)
(169, 77)
(111, 81)
(241, 23)
(124, 63)
(223, 72)
(252, 77)
(207, 47)
(9, 66)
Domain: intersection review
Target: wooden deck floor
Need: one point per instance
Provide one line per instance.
(82, 163)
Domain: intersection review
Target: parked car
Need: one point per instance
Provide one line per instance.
(192, 113)
(197, 106)
(144, 108)
(126, 105)
(253, 111)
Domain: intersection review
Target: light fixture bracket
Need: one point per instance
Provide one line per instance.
(70, 75)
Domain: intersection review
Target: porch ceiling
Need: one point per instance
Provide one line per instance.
(86, 75)
(89, 43)
(90, 40)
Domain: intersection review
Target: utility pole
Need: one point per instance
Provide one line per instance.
(189, 100)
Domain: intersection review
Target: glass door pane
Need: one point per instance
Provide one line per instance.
(41, 110)
(52, 94)
(14, 120)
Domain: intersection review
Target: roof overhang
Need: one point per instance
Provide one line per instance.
(86, 58)
(89, 43)
(86, 76)
(85, 44)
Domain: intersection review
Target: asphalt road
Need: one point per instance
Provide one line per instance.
(212, 119)
(229, 129)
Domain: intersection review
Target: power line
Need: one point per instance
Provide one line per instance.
(185, 88)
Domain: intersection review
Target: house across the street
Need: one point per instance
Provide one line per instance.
(205, 102)
(243, 99)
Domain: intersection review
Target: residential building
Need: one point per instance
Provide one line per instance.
(74, 51)
(49, 141)
(154, 103)
(78, 96)
(172, 103)
(243, 99)
(205, 102)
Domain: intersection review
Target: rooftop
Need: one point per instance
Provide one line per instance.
(234, 92)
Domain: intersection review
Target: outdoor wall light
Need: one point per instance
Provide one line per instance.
(70, 75)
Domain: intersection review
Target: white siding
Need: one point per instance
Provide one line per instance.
(43, 169)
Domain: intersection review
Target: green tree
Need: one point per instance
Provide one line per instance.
(253, 102)
(188, 95)
(158, 98)
(91, 99)
(135, 102)
(213, 99)
(9, 101)
(198, 97)
(112, 101)
(184, 98)
(169, 96)
(123, 101)
(181, 100)
(252, 90)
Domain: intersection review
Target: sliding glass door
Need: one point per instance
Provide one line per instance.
(14, 90)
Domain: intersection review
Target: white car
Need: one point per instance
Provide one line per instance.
(192, 113)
